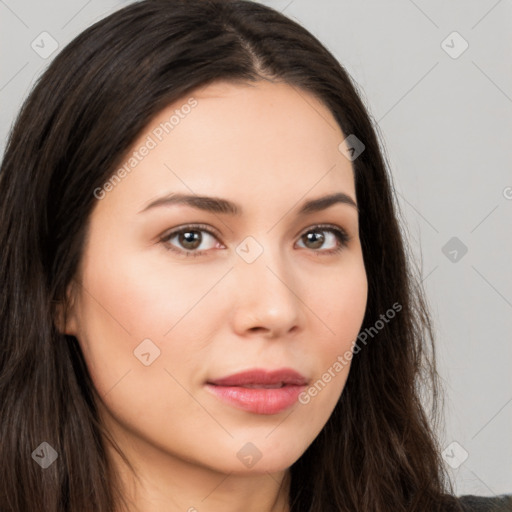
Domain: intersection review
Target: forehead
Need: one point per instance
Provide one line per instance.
(265, 139)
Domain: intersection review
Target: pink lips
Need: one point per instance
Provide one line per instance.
(260, 391)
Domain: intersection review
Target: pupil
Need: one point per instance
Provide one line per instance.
(317, 239)
(190, 239)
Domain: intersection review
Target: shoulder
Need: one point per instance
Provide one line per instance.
(501, 503)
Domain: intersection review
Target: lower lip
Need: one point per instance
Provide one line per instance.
(258, 400)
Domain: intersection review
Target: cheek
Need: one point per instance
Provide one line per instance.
(341, 304)
(146, 297)
(123, 322)
(133, 313)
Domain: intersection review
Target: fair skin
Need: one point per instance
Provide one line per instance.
(268, 149)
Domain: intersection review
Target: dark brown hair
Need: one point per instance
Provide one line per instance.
(377, 451)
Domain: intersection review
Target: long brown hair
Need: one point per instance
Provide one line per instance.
(378, 450)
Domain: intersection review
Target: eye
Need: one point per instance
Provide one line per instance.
(195, 240)
(190, 240)
(315, 238)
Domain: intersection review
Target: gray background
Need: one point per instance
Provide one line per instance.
(445, 123)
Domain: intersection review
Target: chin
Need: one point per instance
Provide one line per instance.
(265, 457)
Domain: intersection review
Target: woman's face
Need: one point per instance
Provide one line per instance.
(261, 289)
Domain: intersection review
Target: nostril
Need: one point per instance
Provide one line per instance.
(258, 329)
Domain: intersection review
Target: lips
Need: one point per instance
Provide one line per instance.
(262, 378)
(259, 391)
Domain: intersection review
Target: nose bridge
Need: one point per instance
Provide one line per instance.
(265, 287)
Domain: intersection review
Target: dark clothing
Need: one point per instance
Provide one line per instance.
(501, 503)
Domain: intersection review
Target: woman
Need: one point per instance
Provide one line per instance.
(206, 300)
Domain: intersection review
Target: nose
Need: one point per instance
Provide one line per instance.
(267, 299)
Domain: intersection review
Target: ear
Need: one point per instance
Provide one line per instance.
(65, 313)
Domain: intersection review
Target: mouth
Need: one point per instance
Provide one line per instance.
(259, 391)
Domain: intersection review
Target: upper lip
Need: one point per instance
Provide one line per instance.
(285, 376)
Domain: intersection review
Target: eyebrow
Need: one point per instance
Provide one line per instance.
(223, 206)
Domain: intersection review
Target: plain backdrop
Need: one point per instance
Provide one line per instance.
(437, 80)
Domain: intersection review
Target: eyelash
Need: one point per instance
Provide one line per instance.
(340, 234)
